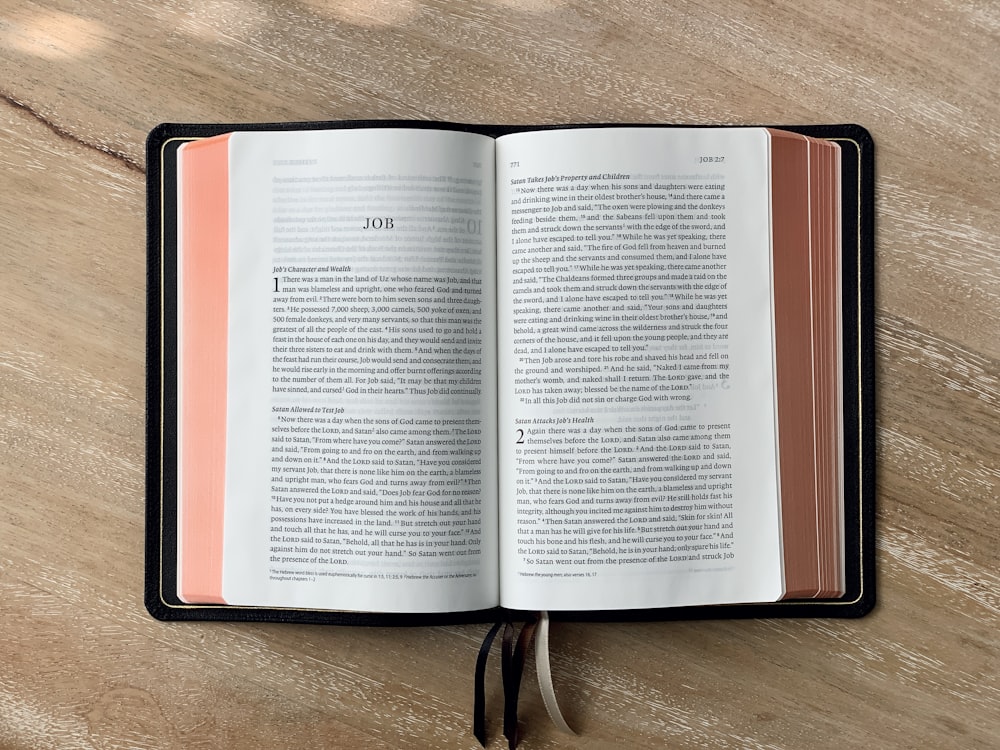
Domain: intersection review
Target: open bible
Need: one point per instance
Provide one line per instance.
(419, 371)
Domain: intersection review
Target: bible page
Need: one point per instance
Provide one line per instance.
(637, 429)
(361, 470)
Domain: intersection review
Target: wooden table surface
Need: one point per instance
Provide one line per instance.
(81, 663)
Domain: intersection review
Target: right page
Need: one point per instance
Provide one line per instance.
(637, 407)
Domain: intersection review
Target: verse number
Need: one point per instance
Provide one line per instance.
(520, 436)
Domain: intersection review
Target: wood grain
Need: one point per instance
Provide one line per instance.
(83, 666)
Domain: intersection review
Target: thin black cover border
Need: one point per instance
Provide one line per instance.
(859, 378)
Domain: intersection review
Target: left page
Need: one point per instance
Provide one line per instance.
(360, 396)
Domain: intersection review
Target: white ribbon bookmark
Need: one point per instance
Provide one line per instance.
(544, 672)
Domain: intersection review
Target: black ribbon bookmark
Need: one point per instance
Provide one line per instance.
(479, 707)
(512, 659)
(512, 682)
